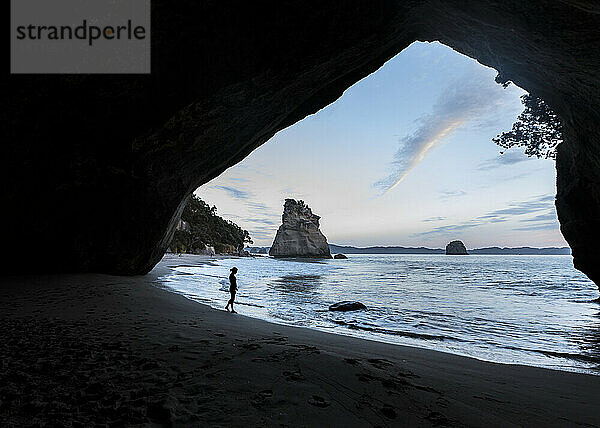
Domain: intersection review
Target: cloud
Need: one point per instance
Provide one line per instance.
(551, 215)
(527, 207)
(256, 205)
(236, 193)
(263, 220)
(253, 214)
(465, 101)
(449, 194)
(238, 179)
(446, 229)
(553, 225)
(261, 232)
(430, 219)
(508, 158)
(543, 206)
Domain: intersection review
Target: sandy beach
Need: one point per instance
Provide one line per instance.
(99, 350)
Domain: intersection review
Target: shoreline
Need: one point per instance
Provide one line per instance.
(105, 349)
(200, 260)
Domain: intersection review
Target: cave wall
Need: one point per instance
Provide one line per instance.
(99, 166)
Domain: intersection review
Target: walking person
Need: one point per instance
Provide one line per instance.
(232, 288)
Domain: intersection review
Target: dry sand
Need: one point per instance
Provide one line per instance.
(98, 350)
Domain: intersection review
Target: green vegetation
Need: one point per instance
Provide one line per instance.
(203, 227)
(537, 128)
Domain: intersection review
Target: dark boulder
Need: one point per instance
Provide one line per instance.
(347, 306)
(340, 256)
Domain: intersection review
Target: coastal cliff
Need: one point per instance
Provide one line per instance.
(299, 234)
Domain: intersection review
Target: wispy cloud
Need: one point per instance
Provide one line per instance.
(542, 206)
(236, 193)
(257, 217)
(431, 219)
(543, 221)
(446, 229)
(450, 194)
(549, 216)
(238, 179)
(261, 232)
(466, 100)
(256, 205)
(551, 225)
(264, 221)
(527, 207)
(507, 158)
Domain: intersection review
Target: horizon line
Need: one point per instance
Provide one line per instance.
(429, 248)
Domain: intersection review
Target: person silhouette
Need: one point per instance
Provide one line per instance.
(232, 288)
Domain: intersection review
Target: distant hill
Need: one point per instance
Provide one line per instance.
(335, 249)
(423, 250)
(257, 250)
(547, 251)
(384, 250)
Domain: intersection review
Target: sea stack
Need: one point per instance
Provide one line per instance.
(299, 234)
(456, 248)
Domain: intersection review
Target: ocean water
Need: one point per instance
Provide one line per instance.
(532, 310)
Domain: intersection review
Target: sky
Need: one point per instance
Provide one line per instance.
(403, 158)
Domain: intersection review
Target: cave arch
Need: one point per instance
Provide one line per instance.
(117, 155)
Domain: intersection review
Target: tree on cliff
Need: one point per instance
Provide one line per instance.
(205, 227)
(537, 128)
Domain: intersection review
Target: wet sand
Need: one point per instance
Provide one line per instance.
(99, 350)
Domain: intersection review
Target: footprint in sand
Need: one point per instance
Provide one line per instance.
(438, 419)
(275, 340)
(379, 363)
(251, 346)
(309, 348)
(365, 377)
(318, 401)
(266, 393)
(389, 383)
(406, 373)
(394, 384)
(260, 399)
(388, 411)
(294, 376)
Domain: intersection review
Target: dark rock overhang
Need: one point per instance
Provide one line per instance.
(98, 167)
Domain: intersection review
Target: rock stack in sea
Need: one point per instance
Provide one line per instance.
(299, 234)
(456, 248)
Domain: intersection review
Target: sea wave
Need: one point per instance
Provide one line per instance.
(413, 335)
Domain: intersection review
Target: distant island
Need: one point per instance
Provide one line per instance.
(384, 250)
(257, 250)
(424, 250)
(456, 248)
